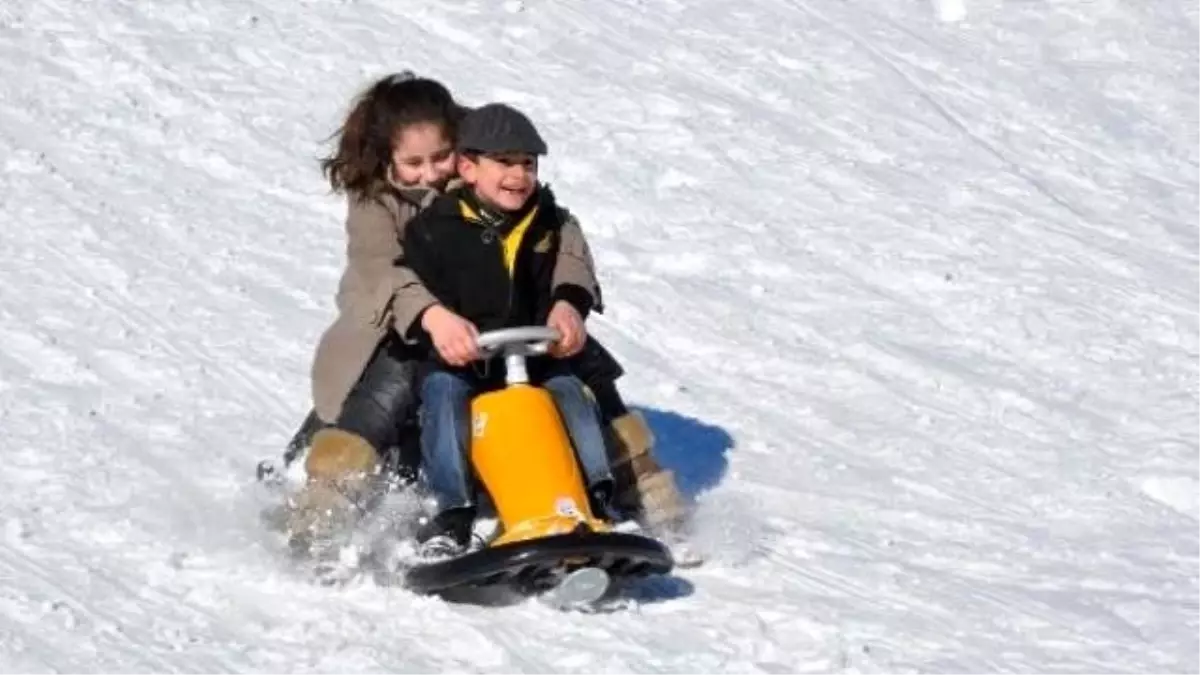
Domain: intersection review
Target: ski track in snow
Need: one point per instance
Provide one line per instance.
(940, 406)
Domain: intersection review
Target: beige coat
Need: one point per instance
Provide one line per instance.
(376, 293)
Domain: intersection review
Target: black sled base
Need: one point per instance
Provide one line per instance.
(537, 565)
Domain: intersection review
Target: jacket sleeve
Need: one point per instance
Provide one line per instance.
(418, 260)
(374, 232)
(574, 271)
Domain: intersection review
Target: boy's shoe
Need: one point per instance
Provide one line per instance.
(440, 547)
(600, 501)
(447, 534)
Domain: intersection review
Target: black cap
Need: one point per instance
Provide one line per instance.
(497, 127)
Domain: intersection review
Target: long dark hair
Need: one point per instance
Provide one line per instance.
(359, 163)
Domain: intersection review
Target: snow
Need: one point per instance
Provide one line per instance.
(909, 292)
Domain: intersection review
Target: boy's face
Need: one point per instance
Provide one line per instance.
(504, 180)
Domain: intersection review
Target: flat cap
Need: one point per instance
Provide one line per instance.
(498, 127)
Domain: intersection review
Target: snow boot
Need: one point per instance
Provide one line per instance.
(644, 487)
(340, 468)
(447, 534)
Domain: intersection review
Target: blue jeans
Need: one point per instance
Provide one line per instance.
(446, 433)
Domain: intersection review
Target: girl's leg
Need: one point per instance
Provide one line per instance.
(345, 457)
(381, 401)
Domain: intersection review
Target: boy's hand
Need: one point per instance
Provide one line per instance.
(454, 337)
(566, 320)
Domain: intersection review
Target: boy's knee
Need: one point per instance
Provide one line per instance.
(568, 385)
(444, 386)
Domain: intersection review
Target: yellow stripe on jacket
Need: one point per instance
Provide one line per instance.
(512, 240)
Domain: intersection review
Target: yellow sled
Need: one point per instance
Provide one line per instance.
(522, 456)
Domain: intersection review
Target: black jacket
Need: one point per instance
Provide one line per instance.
(457, 248)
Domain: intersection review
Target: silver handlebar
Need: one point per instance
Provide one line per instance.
(537, 338)
(516, 344)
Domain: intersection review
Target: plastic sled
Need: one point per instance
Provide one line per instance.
(549, 540)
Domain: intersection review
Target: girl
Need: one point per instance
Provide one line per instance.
(394, 154)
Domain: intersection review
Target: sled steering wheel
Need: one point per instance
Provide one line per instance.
(525, 340)
(516, 344)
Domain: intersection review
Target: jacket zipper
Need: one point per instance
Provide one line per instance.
(508, 276)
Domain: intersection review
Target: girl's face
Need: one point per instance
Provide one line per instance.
(422, 156)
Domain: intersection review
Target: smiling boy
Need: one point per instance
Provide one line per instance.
(488, 252)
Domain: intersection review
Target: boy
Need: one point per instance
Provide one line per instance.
(487, 252)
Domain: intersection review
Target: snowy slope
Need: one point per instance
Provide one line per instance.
(913, 306)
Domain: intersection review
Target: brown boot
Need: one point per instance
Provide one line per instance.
(642, 485)
(340, 467)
